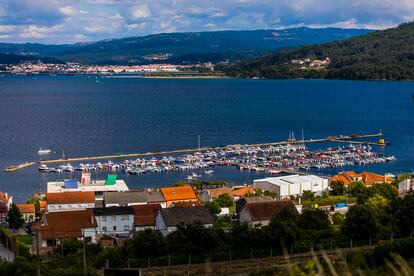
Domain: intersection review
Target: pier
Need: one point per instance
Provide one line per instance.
(344, 139)
(18, 167)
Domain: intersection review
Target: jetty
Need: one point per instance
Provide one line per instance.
(342, 138)
(18, 167)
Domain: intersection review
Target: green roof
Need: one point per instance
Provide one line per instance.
(111, 180)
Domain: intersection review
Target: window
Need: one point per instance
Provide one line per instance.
(125, 217)
(80, 205)
(114, 228)
(104, 229)
(70, 205)
(126, 227)
(103, 218)
(113, 218)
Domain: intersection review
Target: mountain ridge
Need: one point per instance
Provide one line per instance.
(183, 47)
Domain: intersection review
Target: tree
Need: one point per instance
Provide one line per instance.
(282, 230)
(225, 200)
(360, 223)
(403, 215)
(193, 238)
(313, 219)
(356, 188)
(386, 190)
(213, 207)
(337, 188)
(14, 218)
(338, 218)
(147, 243)
(308, 195)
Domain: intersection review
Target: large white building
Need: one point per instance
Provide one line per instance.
(286, 186)
(111, 184)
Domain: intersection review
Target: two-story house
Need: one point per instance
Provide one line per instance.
(115, 221)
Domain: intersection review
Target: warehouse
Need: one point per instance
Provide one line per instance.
(286, 186)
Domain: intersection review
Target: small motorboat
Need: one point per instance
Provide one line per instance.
(44, 151)
(209, 172)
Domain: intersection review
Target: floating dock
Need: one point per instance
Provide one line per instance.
(345, 139)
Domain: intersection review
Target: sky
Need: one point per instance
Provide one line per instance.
(70, 21)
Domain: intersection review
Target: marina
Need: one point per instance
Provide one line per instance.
(274, 158)
(197, 151)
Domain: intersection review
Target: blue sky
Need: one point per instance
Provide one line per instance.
(69, 21)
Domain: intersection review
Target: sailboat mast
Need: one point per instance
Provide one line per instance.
(199, 144)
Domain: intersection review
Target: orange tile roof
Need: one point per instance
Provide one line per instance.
(42, 204)
(178, 193)
(67, 224)
(215, 193)
(145, 214)
(342, 178)
(243, 191)
(188, 203)
(372, 178)
(70, 197)
(26, 208)
(367, 177)
(4, 197)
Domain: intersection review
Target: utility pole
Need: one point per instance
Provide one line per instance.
(37, 251)
(84, 253)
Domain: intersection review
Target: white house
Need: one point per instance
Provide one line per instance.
(168, 218)
(406, 186)
(116, 221)
(70, 201)
(286, 186)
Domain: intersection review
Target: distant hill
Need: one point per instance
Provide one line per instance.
(16, 59)
(192, 47)
(387, 54)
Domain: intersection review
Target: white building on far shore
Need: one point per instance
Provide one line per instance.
(286, 186)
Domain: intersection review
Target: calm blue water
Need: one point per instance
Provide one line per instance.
(85, 117)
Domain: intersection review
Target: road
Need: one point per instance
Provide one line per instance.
(6, 254)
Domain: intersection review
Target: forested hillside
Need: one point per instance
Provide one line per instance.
(387, 54)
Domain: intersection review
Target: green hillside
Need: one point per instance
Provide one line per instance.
(387, 54)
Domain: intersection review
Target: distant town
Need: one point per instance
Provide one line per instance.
(38, 67)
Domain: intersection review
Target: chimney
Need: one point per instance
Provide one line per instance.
(92, 220)
(86, 178)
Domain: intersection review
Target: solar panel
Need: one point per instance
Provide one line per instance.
(71, 183)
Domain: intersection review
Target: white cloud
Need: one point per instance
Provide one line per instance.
(140, 12)
(68, 10)
(36, 20)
